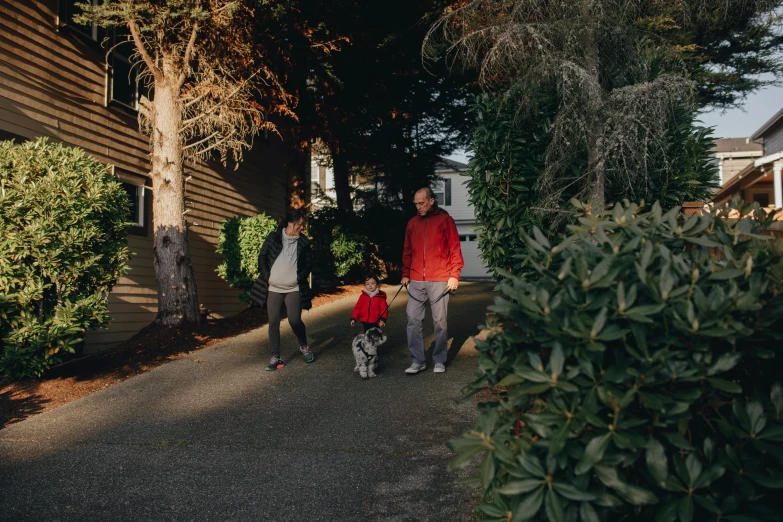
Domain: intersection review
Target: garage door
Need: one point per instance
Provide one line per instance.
(474, 267)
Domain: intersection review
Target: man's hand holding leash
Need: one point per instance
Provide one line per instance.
(451, 285)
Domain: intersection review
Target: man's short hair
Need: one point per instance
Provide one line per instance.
(428, 190)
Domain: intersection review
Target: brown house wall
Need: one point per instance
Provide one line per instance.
(53, 83)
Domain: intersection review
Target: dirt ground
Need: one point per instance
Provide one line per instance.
(148, 349)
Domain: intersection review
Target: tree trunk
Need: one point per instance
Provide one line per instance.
(596, 162)
(177, 297)
(342, 184)
(298, 178)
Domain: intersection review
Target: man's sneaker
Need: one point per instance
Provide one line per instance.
(307, 354)
(416, 368)
(275, 363)
(439, 368)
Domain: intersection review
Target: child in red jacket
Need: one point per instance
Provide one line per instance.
(371, 309)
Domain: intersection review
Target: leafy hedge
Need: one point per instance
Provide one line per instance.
(63, 223)
(239, 241)
(508, 149)
(635, 374)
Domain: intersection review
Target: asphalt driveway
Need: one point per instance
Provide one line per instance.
(212, 436)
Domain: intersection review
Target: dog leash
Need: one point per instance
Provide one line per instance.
(433, 302)
(390, 302)
(409, 295)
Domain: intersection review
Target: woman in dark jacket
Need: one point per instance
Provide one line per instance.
(284, 264)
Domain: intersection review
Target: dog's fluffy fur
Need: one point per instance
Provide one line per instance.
(365, 351)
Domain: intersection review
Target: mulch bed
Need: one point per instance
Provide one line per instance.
(148, 349)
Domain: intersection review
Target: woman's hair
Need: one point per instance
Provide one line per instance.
(292, 217)
(371, 275)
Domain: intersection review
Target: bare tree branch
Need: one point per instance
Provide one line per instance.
(142, 50)
(188, 54)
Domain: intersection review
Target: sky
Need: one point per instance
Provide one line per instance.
(735, 123)
(743, 122)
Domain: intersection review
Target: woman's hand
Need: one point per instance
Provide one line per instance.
(381, 323)
(353, 322)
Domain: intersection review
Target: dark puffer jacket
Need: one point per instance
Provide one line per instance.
(273, 245)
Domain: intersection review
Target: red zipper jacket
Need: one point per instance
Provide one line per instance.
(370, 309)
(432, 251)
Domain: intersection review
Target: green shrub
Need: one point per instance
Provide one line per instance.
(345, 245)
(63, 223)
(351, 249)
(239, 241)
(634, 374)
(319, 227)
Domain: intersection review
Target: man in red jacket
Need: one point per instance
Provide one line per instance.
(431, 263)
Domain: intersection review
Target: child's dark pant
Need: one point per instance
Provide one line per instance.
(367, 326)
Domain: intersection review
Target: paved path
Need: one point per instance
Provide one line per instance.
(213, 437)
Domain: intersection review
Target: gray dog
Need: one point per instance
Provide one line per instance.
(365, 351)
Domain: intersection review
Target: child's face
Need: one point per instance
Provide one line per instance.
(371, 285)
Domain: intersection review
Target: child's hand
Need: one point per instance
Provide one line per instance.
(381, 323)
(353, 322)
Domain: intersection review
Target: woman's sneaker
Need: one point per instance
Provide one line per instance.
(275, 363)
(307, 354)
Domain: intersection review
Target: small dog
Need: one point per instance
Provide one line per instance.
(365, 351)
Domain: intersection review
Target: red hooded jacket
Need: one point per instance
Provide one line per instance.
(432, 251)
(371, 309)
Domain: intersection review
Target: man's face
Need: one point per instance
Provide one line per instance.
(423, 202)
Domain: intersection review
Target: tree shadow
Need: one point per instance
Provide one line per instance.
(19, 402)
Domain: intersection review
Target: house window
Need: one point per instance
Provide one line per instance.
(124, 85)
(442, 191)
(762, 198)
(68, 10)
(135, 186)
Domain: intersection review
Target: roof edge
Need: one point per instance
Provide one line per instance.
(764, 128)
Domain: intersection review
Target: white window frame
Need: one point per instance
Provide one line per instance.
(112, 73)
(439, 187)
(141, 193)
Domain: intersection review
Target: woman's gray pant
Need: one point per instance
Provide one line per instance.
(421, 292)
(274, 307)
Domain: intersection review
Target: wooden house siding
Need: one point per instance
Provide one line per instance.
(53, 83)
(460, 208)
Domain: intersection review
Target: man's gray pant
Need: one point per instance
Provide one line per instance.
(421, 292)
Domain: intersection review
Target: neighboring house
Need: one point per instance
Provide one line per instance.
(733, 155)
(321, 179)
(760, 181)
(452, 194)
(54, 82)
(322, 189)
